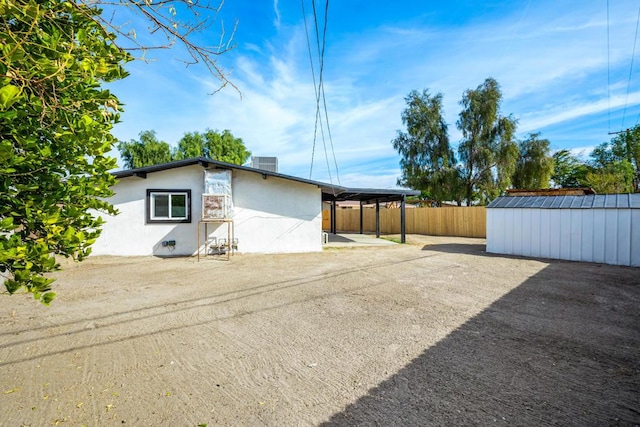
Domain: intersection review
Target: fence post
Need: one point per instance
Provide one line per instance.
(377, 219)
(402, 220)
(333, 217)
(444, 221)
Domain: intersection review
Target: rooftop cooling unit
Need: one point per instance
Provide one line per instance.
(265, 163)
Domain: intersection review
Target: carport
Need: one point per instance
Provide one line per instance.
(368, 196)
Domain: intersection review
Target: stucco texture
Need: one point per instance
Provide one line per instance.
(271, 215)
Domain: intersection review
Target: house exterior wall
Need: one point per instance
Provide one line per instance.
(609, 236)
(271, 215)
(275, 215)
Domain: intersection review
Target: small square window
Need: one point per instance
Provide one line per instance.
(167, 206)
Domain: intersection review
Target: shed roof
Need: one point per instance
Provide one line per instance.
(550, 191)
(590, 201)
(329, 191)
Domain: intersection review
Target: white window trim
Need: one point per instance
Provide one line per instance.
(151, 197)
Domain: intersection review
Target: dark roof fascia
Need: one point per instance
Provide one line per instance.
(330, 192)
(370, 195)
(205, 163)
(142, 172)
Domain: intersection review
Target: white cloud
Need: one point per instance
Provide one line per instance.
(582, 152)
(276, 21)
(373, 179)
(565, 112)
(550, 59)
(277, 114)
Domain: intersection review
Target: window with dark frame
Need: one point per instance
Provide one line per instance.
(168, 206)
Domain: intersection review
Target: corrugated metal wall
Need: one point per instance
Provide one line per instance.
(610, 236)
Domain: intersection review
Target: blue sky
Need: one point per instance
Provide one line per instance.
(550, 58)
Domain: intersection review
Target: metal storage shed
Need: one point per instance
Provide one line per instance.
(592, 228)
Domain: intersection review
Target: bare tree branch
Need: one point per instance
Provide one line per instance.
(171, 23)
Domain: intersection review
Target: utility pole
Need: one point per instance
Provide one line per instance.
(629, 155)
(619, 132)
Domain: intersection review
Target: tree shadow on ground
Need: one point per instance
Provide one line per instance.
(561, 349)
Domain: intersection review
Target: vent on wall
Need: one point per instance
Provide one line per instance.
(265, 163)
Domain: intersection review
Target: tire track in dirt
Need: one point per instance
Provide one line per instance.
(296, 339)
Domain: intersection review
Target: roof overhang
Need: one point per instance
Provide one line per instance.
(330, 192)
(208, 164)
(368, 195)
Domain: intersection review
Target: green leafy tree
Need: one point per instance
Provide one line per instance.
(487, 151)
(146, 151)
(534, 166)
(55, 121)
(616, 177)
(55, 118)
(568, 170)
(190, 145)
(626, 147)
(427, 160)
(609, 170)
(225, 147)
(602, 156)
(222, 146)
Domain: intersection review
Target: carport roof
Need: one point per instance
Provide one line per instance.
(330, 192)
(591, 201)
(368, 195)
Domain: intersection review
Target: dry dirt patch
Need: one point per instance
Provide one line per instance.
(434, 332)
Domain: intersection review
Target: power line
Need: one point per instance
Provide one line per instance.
(324, 98)
(320, 84)
(319, 88)
(633, 54)
(320, 81)
(321, 92)
(313, 74)
(608, 71)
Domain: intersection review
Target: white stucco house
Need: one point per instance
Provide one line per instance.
(161, 210)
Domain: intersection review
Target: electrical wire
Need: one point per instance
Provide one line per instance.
(319, 89)
(324, 98)
(608, 72)
(313, 75)
(320, 83)
(633, 54)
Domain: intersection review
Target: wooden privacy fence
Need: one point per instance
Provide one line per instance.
(448, 221)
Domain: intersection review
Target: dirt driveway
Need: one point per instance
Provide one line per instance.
(436, 332)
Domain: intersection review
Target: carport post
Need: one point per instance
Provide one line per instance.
(361, 220)
(402, 220)
(377, 219)
(333, 217)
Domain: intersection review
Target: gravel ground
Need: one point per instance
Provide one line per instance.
(435, 332)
